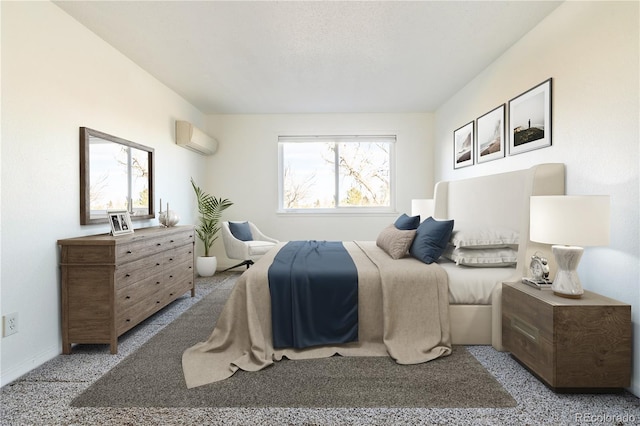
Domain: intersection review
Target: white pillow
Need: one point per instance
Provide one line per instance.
(488, 258)
(484, 238)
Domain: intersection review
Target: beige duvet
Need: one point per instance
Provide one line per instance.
(403, 312)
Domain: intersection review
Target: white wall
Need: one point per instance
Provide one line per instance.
(591, 50)
(56, 77)
(245, 170)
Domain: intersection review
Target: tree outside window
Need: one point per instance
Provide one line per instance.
(336, 173)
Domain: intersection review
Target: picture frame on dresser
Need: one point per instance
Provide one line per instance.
(530, 119)
(463, 146)
(120, 222)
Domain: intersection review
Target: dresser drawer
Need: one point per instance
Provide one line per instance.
(132, 251)
(178, 255)
(134, 293)
(180, 239)
(140, 309)
(149, 245)
(137, 313)
(169, 294)
(132, 272)
(178, 272)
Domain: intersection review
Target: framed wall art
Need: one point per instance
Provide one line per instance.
(490, 135)
(530, 119)
(120, 222)
(463, 146)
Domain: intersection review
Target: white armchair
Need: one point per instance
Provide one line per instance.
(246, 251)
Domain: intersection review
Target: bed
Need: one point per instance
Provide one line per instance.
(499, 201)
(398, 315)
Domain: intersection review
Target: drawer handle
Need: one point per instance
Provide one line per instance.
(170, 294)
(190, 267)
(157, 282)
(157, 301)
(157, 264)
(170, 276)
(170, 259)
(128, 297)
(158, 244)
(171, 241)
(127, 275)
(128, 320)
(529, 331)
(129, 252)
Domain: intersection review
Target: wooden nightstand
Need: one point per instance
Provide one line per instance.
(581, 345)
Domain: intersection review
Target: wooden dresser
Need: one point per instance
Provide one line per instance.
(581, 345)
(110, 284)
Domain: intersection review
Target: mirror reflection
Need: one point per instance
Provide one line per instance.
(115, 174)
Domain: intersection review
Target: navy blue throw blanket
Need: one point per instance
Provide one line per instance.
(314, 295)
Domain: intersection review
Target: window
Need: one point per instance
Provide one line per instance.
(336, 173)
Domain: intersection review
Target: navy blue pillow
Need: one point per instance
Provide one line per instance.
(431, 239)
(407, 223)
(241, 230)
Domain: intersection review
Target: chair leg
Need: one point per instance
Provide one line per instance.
(244, 262)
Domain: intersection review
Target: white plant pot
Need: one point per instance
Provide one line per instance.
(206, 266)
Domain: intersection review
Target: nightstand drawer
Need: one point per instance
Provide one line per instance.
(527, 327)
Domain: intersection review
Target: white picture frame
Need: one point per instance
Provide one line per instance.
(120, 222)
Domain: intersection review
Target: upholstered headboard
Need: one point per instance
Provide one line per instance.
(500, 200)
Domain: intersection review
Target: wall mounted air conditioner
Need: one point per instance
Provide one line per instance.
(190, 137)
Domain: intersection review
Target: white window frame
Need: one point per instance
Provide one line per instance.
(354, 210)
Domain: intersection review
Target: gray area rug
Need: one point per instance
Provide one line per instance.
(152, 377)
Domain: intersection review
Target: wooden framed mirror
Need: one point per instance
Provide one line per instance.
(115, 174)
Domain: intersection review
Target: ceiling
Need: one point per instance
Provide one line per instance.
(241, 57)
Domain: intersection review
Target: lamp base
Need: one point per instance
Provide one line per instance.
(568, 296)
(566, 282)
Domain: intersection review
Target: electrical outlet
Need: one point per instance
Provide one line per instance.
(10, 324)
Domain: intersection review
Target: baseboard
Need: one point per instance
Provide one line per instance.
(10, 375)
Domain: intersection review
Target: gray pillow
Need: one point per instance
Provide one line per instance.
(395, 242)
(241, 231)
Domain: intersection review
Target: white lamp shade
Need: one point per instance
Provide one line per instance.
(422, 207)
(570, 220)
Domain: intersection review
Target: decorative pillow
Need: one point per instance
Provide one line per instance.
(395, 242)
(431, 239)
(484, 238)
(241, 231)
(489, 258)
(406, 223)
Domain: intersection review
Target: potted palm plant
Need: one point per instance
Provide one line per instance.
(210, 209)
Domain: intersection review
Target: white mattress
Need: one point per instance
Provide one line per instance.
(473, 286)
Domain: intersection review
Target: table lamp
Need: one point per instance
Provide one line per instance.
(569, 222)
(422, 207)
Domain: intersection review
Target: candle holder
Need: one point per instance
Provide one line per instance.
(168, 218)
